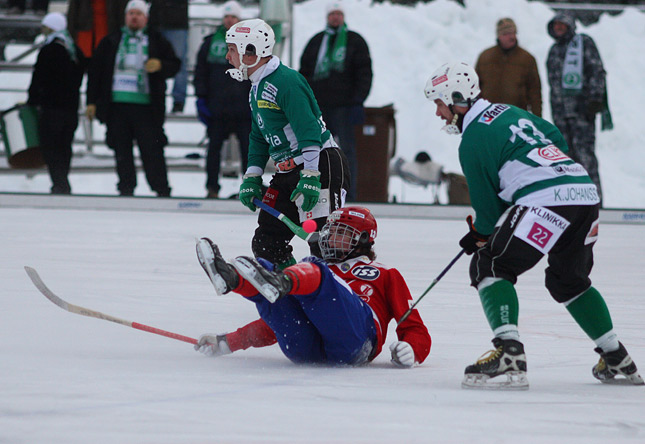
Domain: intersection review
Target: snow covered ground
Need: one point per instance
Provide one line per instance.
(69, 379)
(407, 44)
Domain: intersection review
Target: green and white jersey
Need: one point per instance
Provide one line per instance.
(285, 117)
(510, 156)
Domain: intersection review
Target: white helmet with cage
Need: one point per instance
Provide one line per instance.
(250, 37)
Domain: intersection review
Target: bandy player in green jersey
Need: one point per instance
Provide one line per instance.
(530, 200)
(287, 127)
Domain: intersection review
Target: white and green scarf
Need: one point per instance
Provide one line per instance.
(572, 70)
(130, 83)
(331, 58)
(218, 49)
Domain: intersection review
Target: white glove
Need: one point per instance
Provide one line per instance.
(213, 345)
(402, 354)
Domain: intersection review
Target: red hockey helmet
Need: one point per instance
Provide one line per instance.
(347, 230)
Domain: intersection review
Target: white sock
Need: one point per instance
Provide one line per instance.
(507, 331)
(608, 342)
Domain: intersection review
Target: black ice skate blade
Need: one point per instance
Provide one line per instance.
(511, 381)
(623, 381)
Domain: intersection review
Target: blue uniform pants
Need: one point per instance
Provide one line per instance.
(329, 326)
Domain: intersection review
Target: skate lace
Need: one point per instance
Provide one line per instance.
(490, 355)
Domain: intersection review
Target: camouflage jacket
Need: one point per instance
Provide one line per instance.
(593, 89)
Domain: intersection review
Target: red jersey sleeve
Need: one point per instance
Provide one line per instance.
(412, 330)
(255, 334)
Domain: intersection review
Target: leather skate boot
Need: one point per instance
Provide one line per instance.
(221, 274)
(617, 362)
(507, 359)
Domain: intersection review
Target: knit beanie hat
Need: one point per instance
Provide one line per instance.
(138, 4)
(506, 25)
(232, 8)
(55, 21)
(335, 6)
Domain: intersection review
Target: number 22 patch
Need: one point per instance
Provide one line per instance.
(541, 228)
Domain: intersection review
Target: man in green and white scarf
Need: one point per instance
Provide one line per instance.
(337, 64)
(578, 91)
(126, 90)
(222, 103)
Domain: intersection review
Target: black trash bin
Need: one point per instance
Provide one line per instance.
(375, 146)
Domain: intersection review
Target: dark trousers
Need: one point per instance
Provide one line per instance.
(570, 259)
(57, 127)
(218, 131)
(272, 237)
(126, 123)
(331, 326)
(341, 121)
(580, 134)
(39, 5)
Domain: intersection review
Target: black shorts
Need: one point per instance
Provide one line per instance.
(272, 237)
(524, 235)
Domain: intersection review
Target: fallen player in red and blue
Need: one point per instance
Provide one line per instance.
(333, 310)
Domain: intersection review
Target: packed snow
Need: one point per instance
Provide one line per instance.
(72, 379)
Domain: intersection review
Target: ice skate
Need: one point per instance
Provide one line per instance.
(271, 284)
(221, 274)
(501, 369)
(617, 362)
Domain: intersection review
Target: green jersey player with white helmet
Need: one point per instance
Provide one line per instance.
(312, 175)
(530, 200)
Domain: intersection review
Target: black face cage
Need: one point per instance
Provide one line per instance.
(337, 241)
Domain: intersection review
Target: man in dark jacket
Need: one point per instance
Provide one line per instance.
(508, 74)
(338, 66)
(578, 91)
(222, 103)
(126, 90)
(55, 85)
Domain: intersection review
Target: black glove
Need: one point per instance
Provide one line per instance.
(473, 240)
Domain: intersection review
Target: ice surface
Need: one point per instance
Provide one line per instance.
(66, 378)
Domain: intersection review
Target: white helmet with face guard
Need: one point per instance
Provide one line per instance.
(250, 37)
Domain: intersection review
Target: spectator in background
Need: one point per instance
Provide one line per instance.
(171, 18)
(337, 65)
(40, 7)
(578, 91)
(91, 20)
(508, 74)
(222, 103)
(126, 90)
(54, 88)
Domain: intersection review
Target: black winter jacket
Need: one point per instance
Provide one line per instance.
(101, 73)
(347, 88)
(56, 79)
